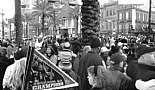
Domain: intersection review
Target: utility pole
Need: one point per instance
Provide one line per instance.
(2, 24)
(149, 21)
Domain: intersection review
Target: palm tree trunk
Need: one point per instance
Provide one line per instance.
(42, 29)
(18, 22)
(90, 18)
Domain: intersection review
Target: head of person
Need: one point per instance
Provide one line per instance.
(66, 45)
(105, 50)
(21, 53)
(95, 44)
(146, 55)
(95, 76)
(104, 53)
(49, 50)
(86, 49)
(3, 51)
(76, 46)
(115, 49)
(117, 60)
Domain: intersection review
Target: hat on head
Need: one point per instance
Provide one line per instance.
(104, 49)
(145, 85)
(66, 44)
(144, 49)
(119, 44)
(117, 58)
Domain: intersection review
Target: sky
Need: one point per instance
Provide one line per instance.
(8, 5)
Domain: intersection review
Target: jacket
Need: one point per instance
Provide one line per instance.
(145, 72)
(115, 80)
(90, 59)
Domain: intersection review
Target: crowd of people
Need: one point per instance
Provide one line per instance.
(98, 64)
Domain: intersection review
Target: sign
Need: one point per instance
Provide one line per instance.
(42, 74)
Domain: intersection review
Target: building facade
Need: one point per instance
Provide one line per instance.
(133, 19)
(123, 19)
(108, 24)
(69, 22)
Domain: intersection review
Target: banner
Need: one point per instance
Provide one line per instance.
(42, 74)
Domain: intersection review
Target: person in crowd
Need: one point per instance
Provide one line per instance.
(114, 78)
(4, 63)
(115, 49)
(86, 49)
(13, 78)
(76, 46)
(104, 54)
(39, 43)
(96, 78)
(50, 54)
(77, 49)
(65, 57)
(146, 63)
(10, 50)
(132, 62)
(145, 85)
(55, 46)
(92, 58)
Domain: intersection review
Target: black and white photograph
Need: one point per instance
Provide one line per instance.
(77, 44)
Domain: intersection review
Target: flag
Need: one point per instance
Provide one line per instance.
(42, 74)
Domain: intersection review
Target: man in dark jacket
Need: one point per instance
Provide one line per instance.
(144, 68)
(92, 58)
(146, 63)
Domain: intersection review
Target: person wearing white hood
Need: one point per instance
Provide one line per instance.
(145, 85)
(38, 43)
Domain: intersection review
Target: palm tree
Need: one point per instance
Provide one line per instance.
(90, 17)
(44, 10)
(18, 22)
(69, 12)
(27, 18)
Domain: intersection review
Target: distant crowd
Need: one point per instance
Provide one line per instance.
(99, 63)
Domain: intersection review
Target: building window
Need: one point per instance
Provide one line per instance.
(107, 14)
(137, 15)
(130, 16)
(120, 27)
(110, 25)
(127, 15)
(126, 27)
(64, 22)
(141, 17)
(146, 18)
(106, 25)
(111, 13)
(69, 22)
(120, 16)
(114, 12)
